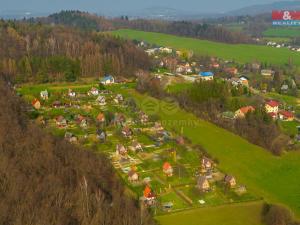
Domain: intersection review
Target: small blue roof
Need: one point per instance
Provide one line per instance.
(107, 77)
(206, 74)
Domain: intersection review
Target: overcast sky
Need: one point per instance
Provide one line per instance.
(126, 5)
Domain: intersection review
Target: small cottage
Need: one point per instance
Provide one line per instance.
(121, 150)
(136, 146)
(44, 95)
(93, 92)
(207, 76)
(149, 196)
(61, 121)
(101, 135)
(230, 181)
(70, 137)
(127, 132)
(119, 119)
(242, 112)
(56, 104)
(108, 79)
(119, 98)
(286, 115)
(71, 93)
(267, 73)
(143, 118)
(203, 184)
(133, 176)
(206, 163)
(168, 169)
(244, 81)
(101, 118)
(36, 104)
(81, 121)
(101, 100)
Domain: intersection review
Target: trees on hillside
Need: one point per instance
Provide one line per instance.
(32, 52)
(45, 180)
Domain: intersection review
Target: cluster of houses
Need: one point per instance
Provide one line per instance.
(272, 107)
(128, 145)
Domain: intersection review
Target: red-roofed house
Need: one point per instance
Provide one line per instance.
(272, 106)
(36, 104)
(286, 115)
(167, 169)
(149, 196)
(241, 113)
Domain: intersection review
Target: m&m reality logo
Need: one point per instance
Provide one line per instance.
(286, 18)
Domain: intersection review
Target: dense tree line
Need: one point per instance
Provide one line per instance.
(45, 180)
(36, 52)
(278, 215)
(195, 29)
(209, 100)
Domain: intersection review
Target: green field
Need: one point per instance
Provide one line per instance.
(274, 178)
(240, 214)
(241, 53)
(282, 32)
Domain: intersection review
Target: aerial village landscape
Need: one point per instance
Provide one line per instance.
(160, 167)
(134, 113)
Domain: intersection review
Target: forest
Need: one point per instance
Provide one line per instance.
(45, 180)
(42, 53)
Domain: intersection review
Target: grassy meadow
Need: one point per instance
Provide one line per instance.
(239, 214)
(241, 53)
(282, 32)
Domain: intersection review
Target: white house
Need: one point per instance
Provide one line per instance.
(266, 73)
(94, 91)
(108, 79)
(71, 93)
(206, 75)
(44, 95)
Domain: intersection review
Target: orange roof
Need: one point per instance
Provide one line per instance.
(147, 191)
(100, 117)
(35, 101)
(247, 109)
(167, 166)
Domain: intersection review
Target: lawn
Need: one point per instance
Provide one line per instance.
(237, 214)
(241, 53)
(282, 32)
(274, 178)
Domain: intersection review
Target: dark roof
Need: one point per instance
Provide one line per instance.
(228, 178)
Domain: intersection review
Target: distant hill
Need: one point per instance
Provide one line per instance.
(265, 8)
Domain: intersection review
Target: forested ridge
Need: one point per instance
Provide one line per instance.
(201, 30)
(45, 180)
(43, 53)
